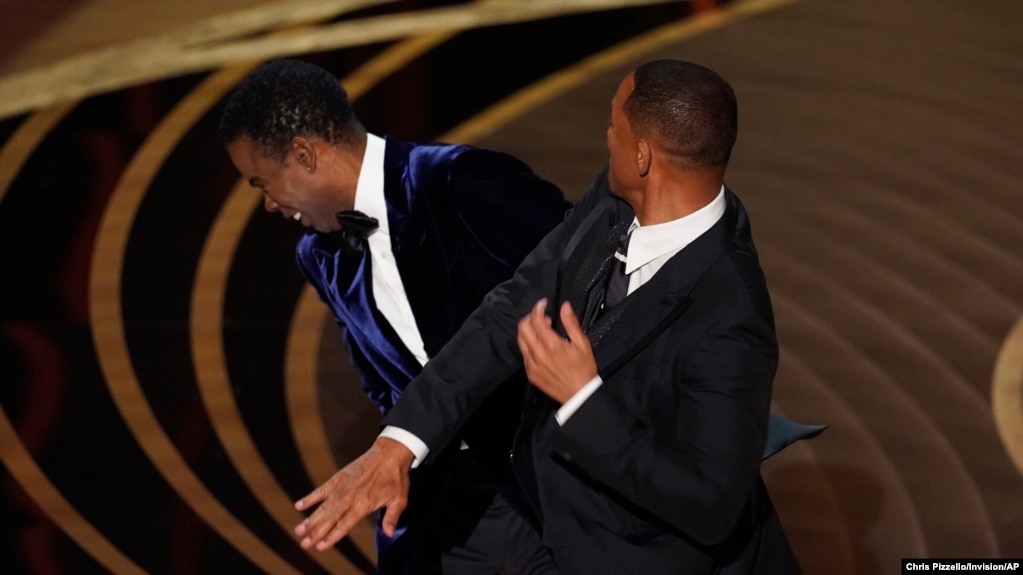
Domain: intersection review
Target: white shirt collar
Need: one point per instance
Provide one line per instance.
(649, 243)
(369, 192)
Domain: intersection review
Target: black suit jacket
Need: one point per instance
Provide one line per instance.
(658, 471)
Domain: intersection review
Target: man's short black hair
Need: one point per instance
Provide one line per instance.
(285, 98)
(688, 109)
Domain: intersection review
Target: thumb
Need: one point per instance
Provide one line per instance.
(391, 516)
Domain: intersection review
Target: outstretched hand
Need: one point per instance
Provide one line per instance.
(557, 366)
(377, 478)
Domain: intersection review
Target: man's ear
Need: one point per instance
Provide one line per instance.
(644, 156)
(304, 153)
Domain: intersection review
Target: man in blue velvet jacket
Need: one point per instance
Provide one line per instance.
(405, 241)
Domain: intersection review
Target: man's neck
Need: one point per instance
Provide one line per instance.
(341, 162)
(673, 194)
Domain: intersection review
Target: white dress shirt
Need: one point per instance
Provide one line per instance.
(388, 290)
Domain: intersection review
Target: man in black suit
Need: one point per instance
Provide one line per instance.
(404, 242)
(642, 436)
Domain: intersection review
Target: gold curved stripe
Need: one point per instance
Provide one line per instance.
(211, 367)
(33, 480)
(275, 16)
(24, 141)
(132, 63)
(628, 51)
(300, 373)
(307, 426)
(449, 19)
(1007, 394)
(108, 324)
(15, 456)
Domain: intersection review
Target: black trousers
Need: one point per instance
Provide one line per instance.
(460, 524)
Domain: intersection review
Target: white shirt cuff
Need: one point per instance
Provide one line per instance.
(573, 403)
(413, 443)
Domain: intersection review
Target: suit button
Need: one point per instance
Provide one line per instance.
(511, 456)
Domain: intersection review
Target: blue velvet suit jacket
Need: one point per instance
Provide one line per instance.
(461, 220)
(658, 471)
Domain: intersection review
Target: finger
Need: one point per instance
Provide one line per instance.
(524, 346)
(528, 338)
(572, 327)
(314, 497)
(339, 532)
(539, 308)
(301, 528)
(543, 321)
(525, 335)
(541, 325)
(319, 526)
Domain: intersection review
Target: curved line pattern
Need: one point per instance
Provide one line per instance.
(17, 150)
(878, 456)
(968, 394)
(524, 100)
(206, 325)
(134, 63)
(924, 252)
(33, 480)
(150, 59)
(976, 513)
(798, 389)
(308, 429)
(15, 456)
(1007, 394)
(860, 153)
(108, 326)
(300, 375)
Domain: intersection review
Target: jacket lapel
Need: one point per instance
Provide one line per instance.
(655, 305)
(416, 245)
(586, 261)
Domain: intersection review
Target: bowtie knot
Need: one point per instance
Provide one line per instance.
(355, 228)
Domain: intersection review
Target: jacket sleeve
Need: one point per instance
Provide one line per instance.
(484, 353)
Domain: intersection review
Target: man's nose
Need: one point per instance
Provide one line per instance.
(270, 205)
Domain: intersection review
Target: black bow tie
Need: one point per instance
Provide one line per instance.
(355, 227)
